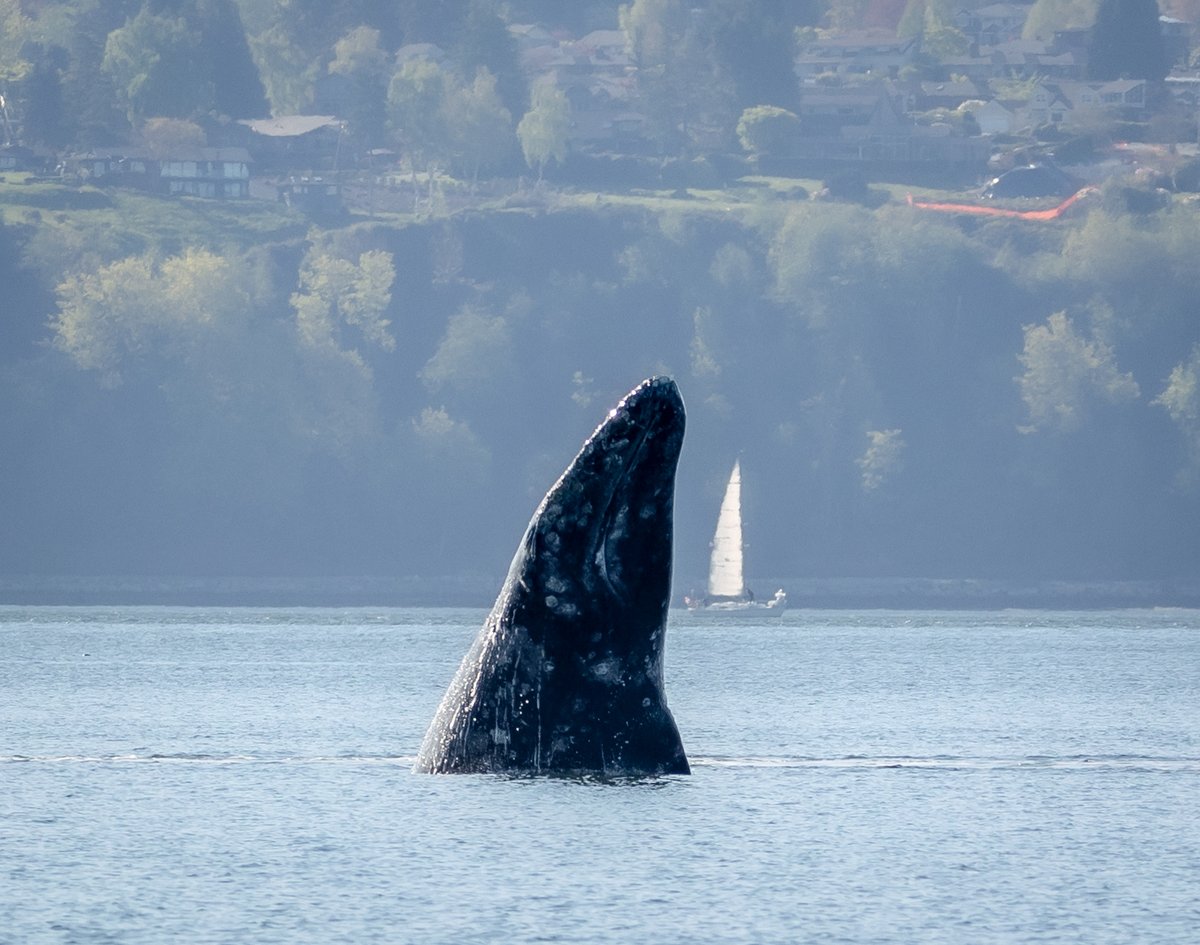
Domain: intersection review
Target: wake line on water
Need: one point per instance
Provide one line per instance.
(1092, 763)
(956, 763)
(208, 759)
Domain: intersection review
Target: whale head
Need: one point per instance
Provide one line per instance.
(567, 673)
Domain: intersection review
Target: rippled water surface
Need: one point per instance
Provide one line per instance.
(242, 776)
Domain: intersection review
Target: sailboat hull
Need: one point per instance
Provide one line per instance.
(708, 605)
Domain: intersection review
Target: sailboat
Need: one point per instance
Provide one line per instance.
(727, 591)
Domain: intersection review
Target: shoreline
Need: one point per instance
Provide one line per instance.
(475, 590)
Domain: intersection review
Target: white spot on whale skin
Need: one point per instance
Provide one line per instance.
(565, 608)
(608, 671)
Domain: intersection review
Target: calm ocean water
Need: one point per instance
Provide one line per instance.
(172, 775)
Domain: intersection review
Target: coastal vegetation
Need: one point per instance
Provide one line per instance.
(909, 393)
(207, 387)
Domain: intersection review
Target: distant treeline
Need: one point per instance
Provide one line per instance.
(88, 73)
(442, 84)
(909, 394)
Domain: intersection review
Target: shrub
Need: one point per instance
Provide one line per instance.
(769, 131)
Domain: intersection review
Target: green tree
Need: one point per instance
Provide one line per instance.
(1181, 399)
(912, 21)
(422, 21)
(46, 117)
(137, 315)
(1126, 41)
(336, 295)
(359, 56)
(95, 110)
(225, 52)
(293, 39)
(823, 259)
(14, 30)
(359, 53)
(705, 351)
(451, 450)
(485, 43)
(476, 352)
(933, 20)
(768, 131)
(1064, 373)
(156, 66)
(882, 459)
(685, 89)
(417, 94)
(340, 311)
(943, 41)
(480, 127)
(288, 72)
(543, 129)
(754, 42)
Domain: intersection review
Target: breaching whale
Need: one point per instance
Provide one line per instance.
(566, 675)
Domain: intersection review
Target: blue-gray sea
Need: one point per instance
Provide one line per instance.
(190, 776)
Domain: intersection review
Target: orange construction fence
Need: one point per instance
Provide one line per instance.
(1052, 214)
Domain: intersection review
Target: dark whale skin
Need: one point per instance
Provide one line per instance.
(566, 675)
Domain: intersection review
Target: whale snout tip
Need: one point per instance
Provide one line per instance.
(662, 383)
(659, 390)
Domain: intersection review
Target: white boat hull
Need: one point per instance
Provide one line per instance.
(776, 605)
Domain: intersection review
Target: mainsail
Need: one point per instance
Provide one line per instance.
(725, 566)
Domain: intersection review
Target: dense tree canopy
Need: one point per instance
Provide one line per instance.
(154, 63)
(237, 88)
(485, 43)
(910, 396)
(189, 58)
(754, 42)
(195, 386)
(417, 97)
(684, 84)
(360, 58)
(543, 129)
(1126, 41)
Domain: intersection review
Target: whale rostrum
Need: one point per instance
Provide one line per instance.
(566, 675)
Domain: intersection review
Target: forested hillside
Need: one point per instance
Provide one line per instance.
(205, 387)
(908, 396)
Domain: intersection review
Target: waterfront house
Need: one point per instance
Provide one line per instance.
(206, 172)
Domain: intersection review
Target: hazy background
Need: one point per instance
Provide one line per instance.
(193, 391)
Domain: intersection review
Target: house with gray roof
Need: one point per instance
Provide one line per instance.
(856, 52)
(293, 143)
(993, 23)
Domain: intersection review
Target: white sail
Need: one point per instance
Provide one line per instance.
(725, 567)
